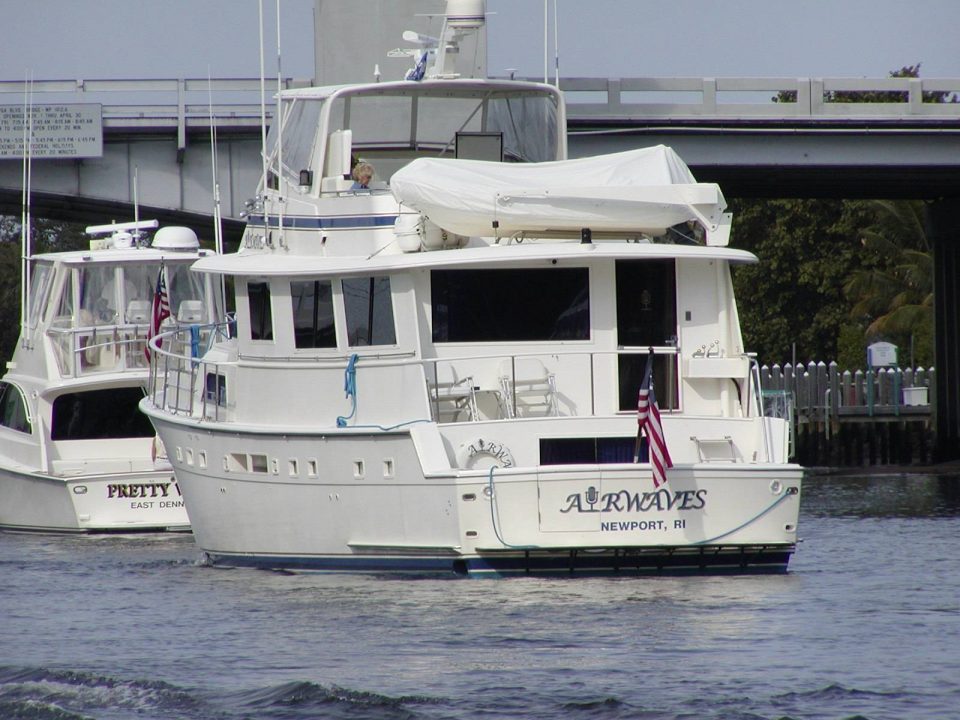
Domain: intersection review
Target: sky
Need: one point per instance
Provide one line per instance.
(70, 39)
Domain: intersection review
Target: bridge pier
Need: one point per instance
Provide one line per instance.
(941, 219)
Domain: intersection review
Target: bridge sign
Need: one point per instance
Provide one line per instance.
(58, 130)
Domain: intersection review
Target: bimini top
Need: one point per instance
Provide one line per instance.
(645, 190)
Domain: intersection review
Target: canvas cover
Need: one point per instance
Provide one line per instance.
(646, 190)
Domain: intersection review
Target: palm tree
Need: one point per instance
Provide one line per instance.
(893, 292)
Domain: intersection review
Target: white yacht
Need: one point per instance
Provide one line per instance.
(76, 454)
(440, 372)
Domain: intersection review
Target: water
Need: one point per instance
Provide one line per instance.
(865, 625)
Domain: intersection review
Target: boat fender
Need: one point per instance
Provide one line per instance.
(408, 229)
(483, 453)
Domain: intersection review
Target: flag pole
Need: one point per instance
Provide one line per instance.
(648, 370)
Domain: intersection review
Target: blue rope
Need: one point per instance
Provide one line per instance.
(194, 341)
(349, 389)
(388, 428)
(789, 492)
(493, 518)
(496, 530)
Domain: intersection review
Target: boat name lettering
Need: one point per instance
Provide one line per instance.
(625, 525)
(496, 450)
(625, 501)
(140, 490)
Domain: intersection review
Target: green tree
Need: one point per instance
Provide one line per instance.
(794, 296)
(46, 236)
(892, 294)
(876, 96)
(836, 275)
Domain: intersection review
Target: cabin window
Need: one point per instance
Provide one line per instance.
(99, 415)
(139, 286)
(216, 388)
(510, 305)
(65, 304)
(299, 134)
(369, 311)
(587, 450)
(39, 286)
(313, 325)
(99, 297)
(646, 317)
(261, 311)
(13, 409)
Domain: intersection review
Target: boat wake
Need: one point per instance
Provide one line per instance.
(48, 694)
(45, 694)
(332, 700)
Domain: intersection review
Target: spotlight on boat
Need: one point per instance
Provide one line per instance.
(586, 236)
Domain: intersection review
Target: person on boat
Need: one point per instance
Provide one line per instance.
(362, 175)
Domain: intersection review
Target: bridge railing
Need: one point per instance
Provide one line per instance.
(754, 98)
(184, 102)
(158, 104)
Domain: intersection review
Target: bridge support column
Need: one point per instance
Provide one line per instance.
(943, 232)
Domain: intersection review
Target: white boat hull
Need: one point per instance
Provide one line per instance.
(371, 508)
(116, 502)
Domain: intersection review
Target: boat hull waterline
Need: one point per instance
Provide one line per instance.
(103, 503)
(591, 519)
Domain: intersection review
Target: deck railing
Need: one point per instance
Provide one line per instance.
(97, 349)
(464, 388)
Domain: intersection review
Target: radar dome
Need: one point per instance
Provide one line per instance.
(175, 238)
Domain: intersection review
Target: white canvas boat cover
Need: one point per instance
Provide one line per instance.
(645, 190)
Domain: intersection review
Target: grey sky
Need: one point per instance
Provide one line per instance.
(67, 39)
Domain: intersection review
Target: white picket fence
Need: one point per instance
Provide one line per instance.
(853, 418)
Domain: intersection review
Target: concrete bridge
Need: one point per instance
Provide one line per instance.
(728, 130)
(157, 146)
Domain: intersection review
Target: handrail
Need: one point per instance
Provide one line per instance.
(168, 366)
(79, 341)
(753, 98)
(160, 100)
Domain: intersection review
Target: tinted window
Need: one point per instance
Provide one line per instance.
(510, 305)
(313, 325)
(261, 313)
(369, 311)
(13, 412)
(646, 316)
(646, 303)
(100, 414)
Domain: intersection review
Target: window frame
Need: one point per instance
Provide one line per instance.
(6, 388)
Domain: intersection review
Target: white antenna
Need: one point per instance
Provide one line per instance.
(263, 126)
(279, 120)
(556, 44)
(217, 219)
(546, 41)
(25, 220)
(136, 201)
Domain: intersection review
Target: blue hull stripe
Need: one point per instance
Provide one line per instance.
(716, 560)
(332, 222)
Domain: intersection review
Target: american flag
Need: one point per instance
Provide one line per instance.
(161, 309)
(648, 420)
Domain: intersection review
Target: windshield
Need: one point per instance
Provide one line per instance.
(393, 126)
